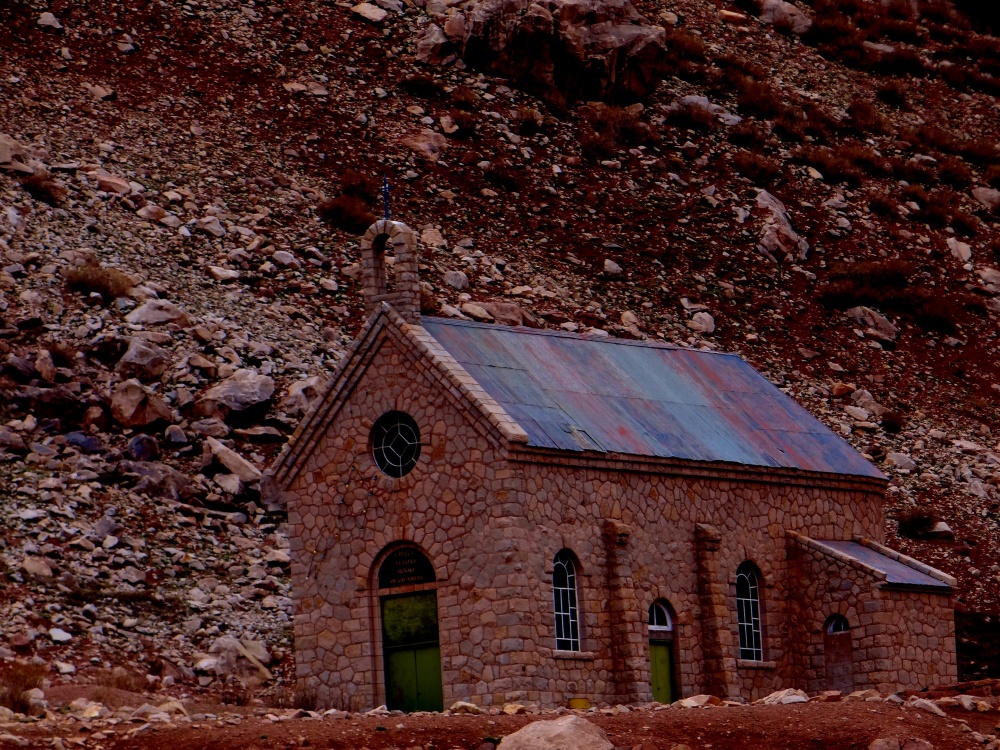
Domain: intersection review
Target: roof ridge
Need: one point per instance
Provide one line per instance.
(609, 339)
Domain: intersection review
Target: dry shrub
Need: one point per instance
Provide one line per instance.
(866, 119)
(16, 679)
(63, 353)
(953, 171)
(913, 172)
(901, 61)
(914, 523)
(893, 93)
(528, 120)
(883, 205)
(899, 31)
(424, 86)
(748, 135)
(693, 117)
(741, 65)
(760, 98)
(364, 186)
(992, 175)
(965, 224)
(893, 422)
(304, 698)
(465, 98)
(757, 168)
(685, 53)
(347, 212)
(607, 130)
(120, 678)
(886, 286)
(834, 166)
(42, 188)
(110, 283)
(501, 175)
(465, 122)
(866, 158)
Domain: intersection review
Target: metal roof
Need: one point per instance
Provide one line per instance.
(897, 573)
(586, 393)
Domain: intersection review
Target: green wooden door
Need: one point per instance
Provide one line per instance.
(412, 653)
(660, 671)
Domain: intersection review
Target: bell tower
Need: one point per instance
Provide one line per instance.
(405, 295)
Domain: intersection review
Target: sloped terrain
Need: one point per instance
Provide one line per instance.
(823, 203)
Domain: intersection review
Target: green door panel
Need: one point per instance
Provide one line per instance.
(660, 666)
(409, 619)
(401, 680)
(430, 696)
(412, 653)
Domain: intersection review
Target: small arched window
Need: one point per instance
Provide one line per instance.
(748, 612)
(659, 618)
(837, 624)
(565, 602)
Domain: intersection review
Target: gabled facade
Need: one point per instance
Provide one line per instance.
(502, 514)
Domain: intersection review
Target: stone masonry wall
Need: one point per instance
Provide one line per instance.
(567, 505)
(901, 639)
(343, 511)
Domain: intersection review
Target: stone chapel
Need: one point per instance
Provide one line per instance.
(497, 514)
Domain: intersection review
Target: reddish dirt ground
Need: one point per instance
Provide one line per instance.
(832, 726)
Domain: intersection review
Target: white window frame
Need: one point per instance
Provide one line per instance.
(748, 617)
(566, 602)
(663, 632)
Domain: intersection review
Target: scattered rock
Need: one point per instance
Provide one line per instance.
(370, 12)
(564, 733)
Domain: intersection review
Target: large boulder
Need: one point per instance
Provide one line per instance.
(564, 733)
(244, 390)
(302, 394)
(159, 312)
(785, 16)
(142, 360)
(133, 405)
(577, 49)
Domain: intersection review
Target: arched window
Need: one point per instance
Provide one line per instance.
(659, 618)
(748, 612)
(837, 624)
(564, 599)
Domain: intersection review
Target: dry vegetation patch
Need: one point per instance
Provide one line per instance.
(110, 283)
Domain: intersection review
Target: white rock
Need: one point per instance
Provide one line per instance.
(456, 279)
(234, 461)
(47, 20)
(564, 733)
(902, 461)
(59, 635)
(370, 12)
(702, 322)
(611, 268)
(960, 250)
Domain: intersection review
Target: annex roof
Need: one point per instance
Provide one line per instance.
(897, 573)
(586, 393)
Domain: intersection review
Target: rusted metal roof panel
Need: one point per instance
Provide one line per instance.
(897, 573)
(580, 393)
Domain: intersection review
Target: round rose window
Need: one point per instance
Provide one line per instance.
(396, 443)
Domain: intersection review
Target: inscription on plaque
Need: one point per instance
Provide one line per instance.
(405, 566)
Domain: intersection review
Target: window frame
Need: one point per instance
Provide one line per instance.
(566, 603)
(660, 632)
(749, 613)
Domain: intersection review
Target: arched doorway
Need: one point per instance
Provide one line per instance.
(411, 650)
(661, 652)
(838, 654)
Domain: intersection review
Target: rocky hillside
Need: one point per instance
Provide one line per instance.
(182, 185)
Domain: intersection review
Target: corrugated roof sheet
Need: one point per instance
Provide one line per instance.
(897, 573)
(578, 393)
